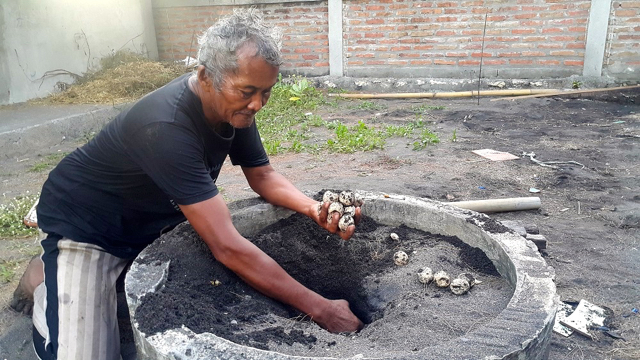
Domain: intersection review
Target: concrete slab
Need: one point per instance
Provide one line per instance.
(26, 128)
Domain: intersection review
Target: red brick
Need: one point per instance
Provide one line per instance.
(579, 29)
(577, 45)
(552, 30)
(494, 62)
(409, 55)
(526, 16)
(398, 62)
(623, 13)
(563, 53)
(533, 53)
(310, 57)
(302, 50)
(443, 62)
(374, 7)
(468, 62)
(446, 19)
(521, 62)
(400, 48)
(421, 62)
(450, 54)
(447, 4)
(574, 63)
(509, 54)
(548, 62)
(523, 31)
(484, 54)
(445, 33)
(374, 21)
(376, 62)
(557, 45)
(373, 35)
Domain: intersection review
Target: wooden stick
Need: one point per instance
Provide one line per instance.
(499, 205)
(448, 94)
(569, 92)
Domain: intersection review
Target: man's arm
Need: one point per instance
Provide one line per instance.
(212, 220)
(277, 190)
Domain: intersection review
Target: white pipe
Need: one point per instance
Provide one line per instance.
(499, 205)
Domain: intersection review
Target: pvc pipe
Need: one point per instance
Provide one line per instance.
(449, 94)
(499, 205)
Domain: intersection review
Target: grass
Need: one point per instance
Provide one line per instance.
(48, 162)
(286, 123)
(7, 271)
(12, 215)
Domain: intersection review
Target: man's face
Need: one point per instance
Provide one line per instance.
(243, 93)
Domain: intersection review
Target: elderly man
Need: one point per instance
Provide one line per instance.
(153, 167)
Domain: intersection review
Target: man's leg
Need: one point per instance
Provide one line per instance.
(23, 295)
(79, 302)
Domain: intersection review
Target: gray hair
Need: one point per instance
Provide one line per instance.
(220, 42)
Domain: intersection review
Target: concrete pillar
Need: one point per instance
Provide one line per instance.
(335, 38)
(146, 9)
(596, 37)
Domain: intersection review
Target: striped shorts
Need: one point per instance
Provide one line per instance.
(75, 309)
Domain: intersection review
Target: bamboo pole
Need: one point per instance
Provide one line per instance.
(569, 92)
(499, 205)
(447, 94)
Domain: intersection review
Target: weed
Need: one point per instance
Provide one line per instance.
(427, 137)
(576, 84)
(454, 137)
(48, 162)
(7, 271)
(357, 138)
(369, 105)
(12, 215)
(425, 108)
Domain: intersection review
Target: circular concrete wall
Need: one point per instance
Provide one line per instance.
(521, 331)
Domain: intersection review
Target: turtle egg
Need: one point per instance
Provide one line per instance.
(425, 275)
(345, 222)
(401, 258)
(357, 200)
(459, 286)
(394, 236)
(346, 198)
(334, 207)
(442, 279)
(469, 277)
(350, 210)
(329, 197)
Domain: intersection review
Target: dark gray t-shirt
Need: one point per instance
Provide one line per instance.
(122, 189)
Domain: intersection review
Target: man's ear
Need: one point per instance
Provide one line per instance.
(206, 83)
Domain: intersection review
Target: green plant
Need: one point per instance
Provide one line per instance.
(576, 84)
(369, 105)
(12, 215)
(454, 137)
(424, 108)
(48, 162)
(7, 271)
(357, 138)
(427, 137)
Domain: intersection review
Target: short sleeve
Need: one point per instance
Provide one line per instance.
(246, 149)
(173, 157)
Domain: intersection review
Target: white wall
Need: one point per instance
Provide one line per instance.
(39, 36)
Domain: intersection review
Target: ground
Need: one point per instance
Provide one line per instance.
(590, 209)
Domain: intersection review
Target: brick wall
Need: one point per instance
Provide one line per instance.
(444, 38)
(622, 55)
(305, 32)
(432, 38)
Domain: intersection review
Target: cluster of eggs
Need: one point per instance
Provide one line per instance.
(343, 203)
(458, 286)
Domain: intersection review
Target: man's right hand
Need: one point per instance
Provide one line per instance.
(336, 317)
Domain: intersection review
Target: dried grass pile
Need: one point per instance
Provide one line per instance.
(123, 77)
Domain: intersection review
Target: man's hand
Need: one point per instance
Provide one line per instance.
(337, 318)
(319, 214)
